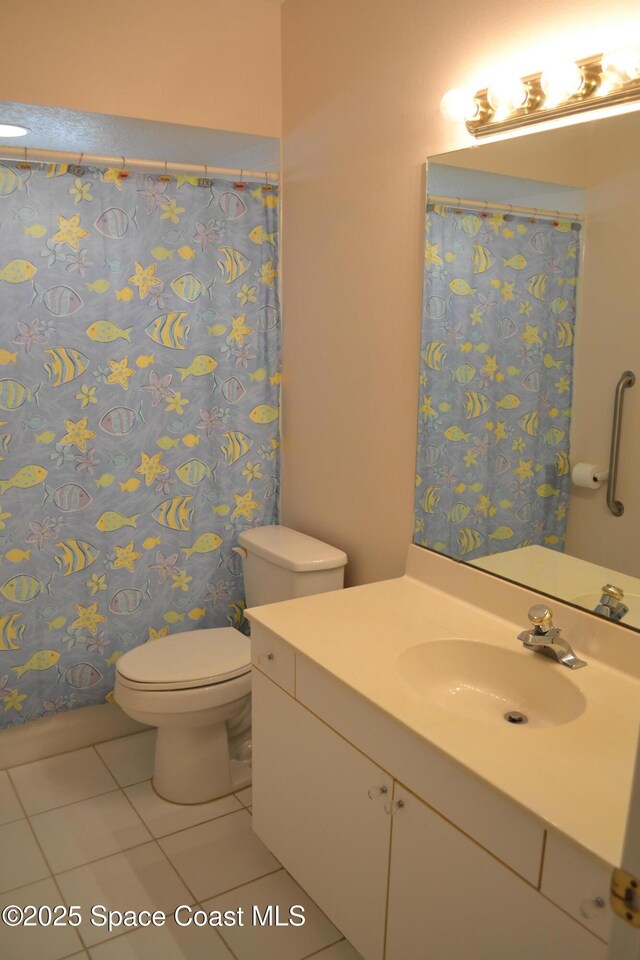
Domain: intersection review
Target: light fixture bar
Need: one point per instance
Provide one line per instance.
(595, 91)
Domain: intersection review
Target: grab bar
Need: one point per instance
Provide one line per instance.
(626, 380)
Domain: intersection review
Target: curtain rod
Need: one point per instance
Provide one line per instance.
(33, 155)
(507, 207)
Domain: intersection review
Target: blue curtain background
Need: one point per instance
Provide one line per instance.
(498, 322)
(139, 402)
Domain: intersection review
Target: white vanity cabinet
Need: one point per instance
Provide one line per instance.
(412, 856)
(449, 898)
(319, 805)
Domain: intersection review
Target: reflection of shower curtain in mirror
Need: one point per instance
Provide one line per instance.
(138, 417)
(495, 381)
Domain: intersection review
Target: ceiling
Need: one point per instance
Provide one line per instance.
(74, 132)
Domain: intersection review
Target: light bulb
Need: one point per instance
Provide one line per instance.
(506, 95)
(459, 104)
(620, 66)
(12, 130)
(560, 82)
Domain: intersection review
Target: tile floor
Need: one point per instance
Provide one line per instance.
(86, 828)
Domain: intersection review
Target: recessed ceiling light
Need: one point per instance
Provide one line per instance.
(12, 130)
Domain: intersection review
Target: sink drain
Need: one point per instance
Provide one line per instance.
(514, 716)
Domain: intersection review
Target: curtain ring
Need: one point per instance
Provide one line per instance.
(165, 168)
(123, 164)
(25, 155)
(206, 172)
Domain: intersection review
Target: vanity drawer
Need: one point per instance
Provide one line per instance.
(275, 658)
(578, 882)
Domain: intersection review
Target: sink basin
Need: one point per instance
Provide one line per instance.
(483, 682)
(632, 600)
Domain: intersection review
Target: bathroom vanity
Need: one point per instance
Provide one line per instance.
(390, 785)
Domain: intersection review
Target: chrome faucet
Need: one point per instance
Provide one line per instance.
(545, 638)
(611, 604)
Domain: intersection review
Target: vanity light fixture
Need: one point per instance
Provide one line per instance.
(562, 89)
(13, 130)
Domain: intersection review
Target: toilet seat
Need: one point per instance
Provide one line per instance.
(184, 661)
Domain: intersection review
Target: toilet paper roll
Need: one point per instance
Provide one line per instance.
(588, 475)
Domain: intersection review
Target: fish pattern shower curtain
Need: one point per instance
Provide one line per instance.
(139, 410)
(495, 381)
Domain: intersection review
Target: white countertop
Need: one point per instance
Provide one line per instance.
(575, 776)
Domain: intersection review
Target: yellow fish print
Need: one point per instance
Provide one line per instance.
(546, 490)
(130, 485)
(259, 375)
(461, 288)
(57, 623)
(471, 224)
(23, 589)
(13, 394)
(174, 513)
(550, 362)
(23, 479)
(264, 413)
(482, 258)
(456, 434)
(191, 440)
(76, 555)
(558, 305)
(166, 443)
(200, 366)
(169, 330)
(35, 230)
(217, 329)
(45, 437)
(516, 262)
(18, 271)
(41, 660)
(468, 540)
(563, 466)
(105, 331)
(105, 480)
(509, 402)
(501, 533)
(235, 264)
(475, 404)
(66, 364)
(111, 520)
(189, 288)
(564, 333)
(259, 235)
(115, 656)
(197, 613)
(17, 556)
(458, 512)
(434, 354)
(530, 423)
(9, 632)
(145, 360)
(193, 472)
(553, 436)
(236, 447)
(186, 252)
(430, 499)
(173, 617)
(151, 542)
(98, 286)
(221, 510)
(464, 373)
(7, 357)
(537, 285)
(124, 294)
(205, 543)
(161, 253)
(562, 226)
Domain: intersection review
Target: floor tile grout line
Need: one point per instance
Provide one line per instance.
(201, 823)
(220, 937)
(317, 953)
(223, 893)
(87, 746)
(78, 928)
(69, 803)
(35, 837)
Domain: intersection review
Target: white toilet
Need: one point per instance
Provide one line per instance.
(195, 687)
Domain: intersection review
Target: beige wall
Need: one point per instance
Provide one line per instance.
(362, 81)
(207, 63)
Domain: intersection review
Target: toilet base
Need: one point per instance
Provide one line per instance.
(192, 764)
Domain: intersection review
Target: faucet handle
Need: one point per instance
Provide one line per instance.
(541, 617)
(609, 590)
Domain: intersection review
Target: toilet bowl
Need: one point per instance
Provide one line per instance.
(195, 687)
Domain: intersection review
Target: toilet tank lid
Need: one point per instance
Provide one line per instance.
(291, 549)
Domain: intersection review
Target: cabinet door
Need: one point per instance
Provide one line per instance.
(449, 898)
(318, 806)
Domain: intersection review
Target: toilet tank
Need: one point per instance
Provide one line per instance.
(282, 564)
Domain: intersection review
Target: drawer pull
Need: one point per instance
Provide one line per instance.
(393, 806)
(374, 792)
(590, 908)
(265, 657)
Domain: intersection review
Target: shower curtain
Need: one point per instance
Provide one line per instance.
(495, 381)
(139, 404)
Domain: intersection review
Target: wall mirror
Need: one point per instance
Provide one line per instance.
(531, 314)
